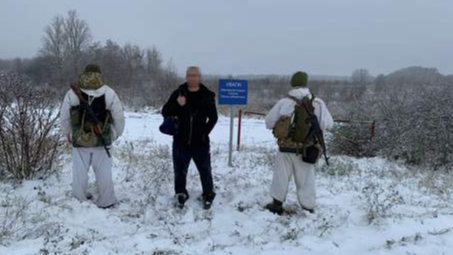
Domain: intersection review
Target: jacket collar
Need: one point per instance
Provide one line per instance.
(96, 93)
(300, 93)
(185, 87)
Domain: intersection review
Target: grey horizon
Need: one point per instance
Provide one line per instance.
(244, 37)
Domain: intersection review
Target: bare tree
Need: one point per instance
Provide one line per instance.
(167, 81)
(133, 58)
(360, 79)
(78, 39)
(154, 62)
(110, 58)
(54, 41)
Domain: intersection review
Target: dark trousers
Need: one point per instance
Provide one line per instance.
(201, 155)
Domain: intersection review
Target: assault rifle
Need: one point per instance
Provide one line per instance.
(97, 125)
(316, 131)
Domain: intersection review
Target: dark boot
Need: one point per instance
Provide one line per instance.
(275, 207)
(312, 211)
(207, 200)
(112, 206)
(181, 200)
(207, 205)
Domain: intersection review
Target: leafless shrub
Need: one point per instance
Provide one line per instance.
(337, 167)
(29, 143)
(380, 201)
(152, 172)
(420, 131)
(261, 157)
(290, 235)
(403, 241)
(325, 224)
(12, 215)
(160, 169)
(414, 127)
(16, 223)
(353, 139)
(165, 252)
(414, 239)
(153, 167)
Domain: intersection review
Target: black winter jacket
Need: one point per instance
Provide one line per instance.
(194, 125)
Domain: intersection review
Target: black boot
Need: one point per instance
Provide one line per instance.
(207, 205)
(312, 211)
(181, 200)
(275, 207)
(207, 200)
(108, 207)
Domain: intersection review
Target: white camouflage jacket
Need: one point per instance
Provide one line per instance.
(113, 104)
(285, 107)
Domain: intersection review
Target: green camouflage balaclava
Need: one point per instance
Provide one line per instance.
(299, 79)
(91, 78)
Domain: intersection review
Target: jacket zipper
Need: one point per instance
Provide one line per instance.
(191, 117)
(191, 126)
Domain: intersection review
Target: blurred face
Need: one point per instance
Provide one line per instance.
(193, 77)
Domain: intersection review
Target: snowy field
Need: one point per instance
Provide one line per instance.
(365, 206)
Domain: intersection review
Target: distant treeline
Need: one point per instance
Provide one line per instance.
(139, 75)
(143, 78)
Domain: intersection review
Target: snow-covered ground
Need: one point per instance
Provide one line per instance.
(366, 206)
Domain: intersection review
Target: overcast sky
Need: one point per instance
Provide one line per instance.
(254, 36)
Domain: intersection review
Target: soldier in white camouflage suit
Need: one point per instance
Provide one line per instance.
(88, 148)
(288, 160)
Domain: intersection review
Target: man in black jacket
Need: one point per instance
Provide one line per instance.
(194, 106)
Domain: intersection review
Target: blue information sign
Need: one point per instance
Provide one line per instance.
(233, 92)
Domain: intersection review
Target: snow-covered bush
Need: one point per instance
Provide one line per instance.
(380, 200)
(16, 221)
(419, 130)
(337, 167)
(353, 139)
(12, 214)
(260, 157)
(29, 142)
(150, 170)
(414, 127)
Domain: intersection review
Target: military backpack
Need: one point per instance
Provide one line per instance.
(84, 125)
(292, 131)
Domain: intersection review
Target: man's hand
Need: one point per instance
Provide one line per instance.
(181, 100)
(69, 139)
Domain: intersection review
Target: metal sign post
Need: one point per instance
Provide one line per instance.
(232, 92)
(230, 152)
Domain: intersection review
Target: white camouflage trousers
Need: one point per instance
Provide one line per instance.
(97, 158)
(288, 165)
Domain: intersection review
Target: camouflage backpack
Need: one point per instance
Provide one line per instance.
(83, 127)
(292, 131)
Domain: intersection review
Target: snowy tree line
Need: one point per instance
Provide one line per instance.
(140, 75)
